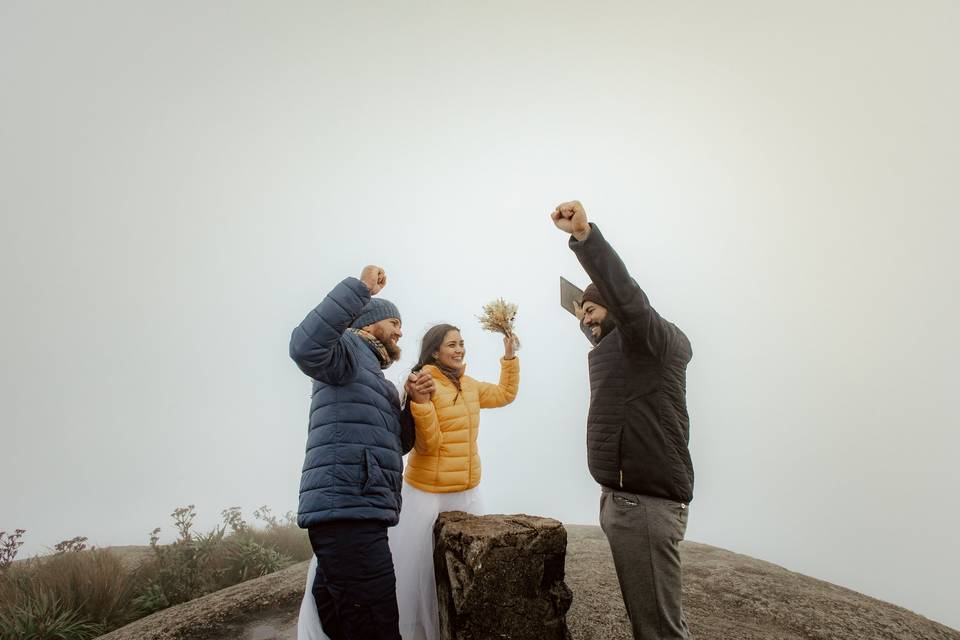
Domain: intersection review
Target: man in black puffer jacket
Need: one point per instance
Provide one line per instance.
(637, 430)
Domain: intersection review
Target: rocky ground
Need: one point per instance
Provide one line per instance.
(727, 596)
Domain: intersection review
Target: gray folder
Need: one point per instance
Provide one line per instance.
(569, 293)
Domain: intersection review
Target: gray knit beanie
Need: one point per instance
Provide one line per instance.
(376, 310)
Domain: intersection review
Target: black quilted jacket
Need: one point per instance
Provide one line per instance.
(637, 427)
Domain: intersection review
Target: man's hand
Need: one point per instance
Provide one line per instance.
(420, 387)
(578, 310)
(374, 277)
(571, 218)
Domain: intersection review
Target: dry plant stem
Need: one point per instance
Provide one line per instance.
(498, 317)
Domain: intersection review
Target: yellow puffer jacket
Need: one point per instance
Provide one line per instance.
(445, 457)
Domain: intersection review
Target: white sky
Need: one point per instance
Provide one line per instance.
(181, 182)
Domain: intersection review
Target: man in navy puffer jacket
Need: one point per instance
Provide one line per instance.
(353, 468)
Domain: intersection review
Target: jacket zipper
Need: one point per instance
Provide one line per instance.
(470, 450)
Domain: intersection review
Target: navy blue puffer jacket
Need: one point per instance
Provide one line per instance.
(353, 466)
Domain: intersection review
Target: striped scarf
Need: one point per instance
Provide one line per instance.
(375, 345)
(452, 374)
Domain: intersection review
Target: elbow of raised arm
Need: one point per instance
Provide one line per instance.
(297, 351)
(299, 346)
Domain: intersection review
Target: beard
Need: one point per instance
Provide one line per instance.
(606, 326)
(393, 351)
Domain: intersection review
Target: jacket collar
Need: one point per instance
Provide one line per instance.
(437, 374)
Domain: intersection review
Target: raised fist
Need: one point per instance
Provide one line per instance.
(571, 218)
(374, 277)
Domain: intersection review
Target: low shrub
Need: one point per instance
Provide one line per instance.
(43, 617)
(78, 593)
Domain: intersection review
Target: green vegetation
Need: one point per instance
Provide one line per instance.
(78, 593)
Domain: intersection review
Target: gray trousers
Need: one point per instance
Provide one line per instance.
(644, 535)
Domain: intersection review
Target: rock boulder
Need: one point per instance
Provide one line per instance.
(501, 577)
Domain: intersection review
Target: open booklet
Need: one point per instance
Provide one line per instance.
(569, 293)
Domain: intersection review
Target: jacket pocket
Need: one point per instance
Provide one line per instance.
(372, 475)
(625, 500)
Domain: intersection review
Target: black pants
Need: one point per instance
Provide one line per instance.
(355, 587)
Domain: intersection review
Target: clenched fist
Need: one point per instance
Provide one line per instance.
(571, 218)
(374, 277)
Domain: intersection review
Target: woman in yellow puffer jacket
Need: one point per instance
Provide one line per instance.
(443, 470)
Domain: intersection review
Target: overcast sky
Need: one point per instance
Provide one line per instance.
(182, 182)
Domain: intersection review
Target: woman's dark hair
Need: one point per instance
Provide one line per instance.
(430, 344)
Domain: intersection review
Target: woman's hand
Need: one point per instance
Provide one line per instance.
(510, 346)
(420, 387)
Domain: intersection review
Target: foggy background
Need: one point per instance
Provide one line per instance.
(180, 183)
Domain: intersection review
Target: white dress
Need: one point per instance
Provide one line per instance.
(411, 545)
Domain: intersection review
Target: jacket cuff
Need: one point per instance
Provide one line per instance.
(592, 240)
(421, 409)
(361, 292)
(358, 288)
